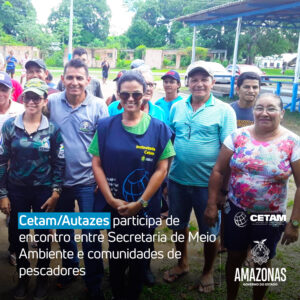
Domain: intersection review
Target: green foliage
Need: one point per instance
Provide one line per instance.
(140, 51)
(92, 16)
(96, 43)
(200, 52)
(185, 60)
(167, 62)
(123, 64)
(56, 59)
(7, 39)
(14, 12)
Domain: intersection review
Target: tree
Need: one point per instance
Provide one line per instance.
(14, 12)
(92, 15)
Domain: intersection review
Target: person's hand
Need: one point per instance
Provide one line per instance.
(117, 203)
(50, 204)
(130, 209)
(221, 200)
(211, 215)
(5, 205)
(290, 234)
(165, 192)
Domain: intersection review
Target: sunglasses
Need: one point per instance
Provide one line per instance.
(135, 95)
(35, 99)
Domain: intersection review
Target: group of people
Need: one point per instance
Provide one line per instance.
(132, 156)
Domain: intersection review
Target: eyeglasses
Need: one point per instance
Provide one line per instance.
(268, 109)
(151, 85)
(135, 95)
(35, 99)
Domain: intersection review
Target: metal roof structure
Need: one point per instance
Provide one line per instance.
(258, 13)
(280, 13)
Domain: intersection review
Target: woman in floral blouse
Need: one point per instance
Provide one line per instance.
(257, 161)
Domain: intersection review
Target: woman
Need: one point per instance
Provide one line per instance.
(147, 106)
(34, 178)
(130, 162)
(260, 158)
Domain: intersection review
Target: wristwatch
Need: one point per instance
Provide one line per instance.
(295, 223)
(57, 190)
(143, 202)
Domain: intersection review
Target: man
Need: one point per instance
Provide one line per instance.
(11, 64)
(201, 123)
(94, 86)
(77, 112)
(8, 109)
(36, 68)
(17, 88)
(105, 68)
(171, 84)
(248, 88)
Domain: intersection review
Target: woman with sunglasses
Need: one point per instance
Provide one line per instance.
(34, 148)
(147, 106)
(258, 160)
(130, 161)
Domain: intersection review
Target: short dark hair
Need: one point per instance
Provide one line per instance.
(132, 75)
(274, 96)
(79, 51)
(77, 64)
(49, 76)
(248, 75)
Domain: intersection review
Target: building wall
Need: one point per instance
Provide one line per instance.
(154, 58)
(19, 51)
(96, 56)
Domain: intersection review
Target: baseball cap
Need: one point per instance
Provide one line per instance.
(36, 86)
(119, 75)
(5, 80)
(37, 62)
(173, 74)
(202, 66)
(137, 63)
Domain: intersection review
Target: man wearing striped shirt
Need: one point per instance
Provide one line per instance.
(201, 123)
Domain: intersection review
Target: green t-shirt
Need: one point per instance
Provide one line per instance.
(139, 129)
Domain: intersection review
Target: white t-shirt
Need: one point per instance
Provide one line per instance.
(14, 109)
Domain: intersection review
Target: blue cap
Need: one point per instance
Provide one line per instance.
(5, 80)
(173, 74)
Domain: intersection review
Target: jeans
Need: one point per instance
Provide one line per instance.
(94, 267)
(23, 199)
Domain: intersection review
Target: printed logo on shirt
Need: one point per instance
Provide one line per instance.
(86, 126)
(260, 252)
(61, 152)
(45, 144)
(240, 219)
(147, 150)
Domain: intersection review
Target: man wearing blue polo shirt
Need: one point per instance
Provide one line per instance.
(77, 112)
(201, 123)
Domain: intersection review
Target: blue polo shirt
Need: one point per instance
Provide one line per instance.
(166, 106)
(154, 111)
(199, 136)
(78, 126)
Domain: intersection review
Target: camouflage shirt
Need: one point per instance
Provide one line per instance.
(36, 159)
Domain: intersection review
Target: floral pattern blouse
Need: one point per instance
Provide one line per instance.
(260, 170)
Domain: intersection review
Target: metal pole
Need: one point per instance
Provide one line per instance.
(70, 31)
(194, 45)
(296, 79)
(235, 53)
